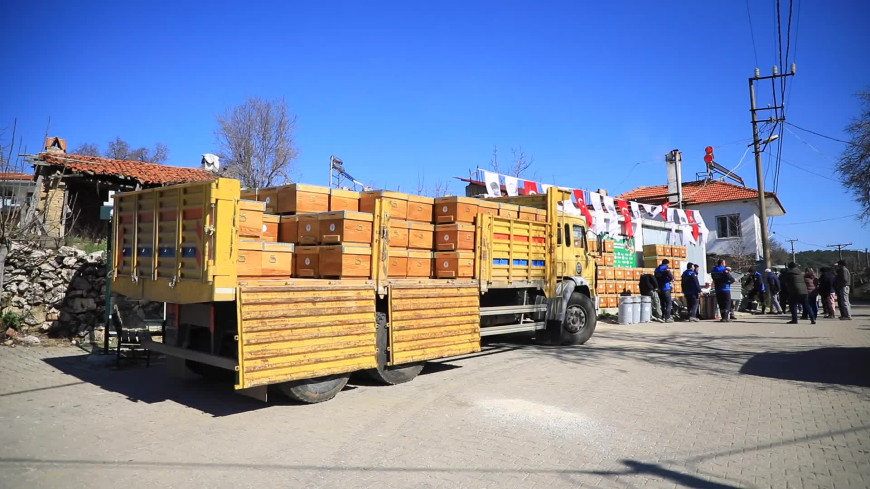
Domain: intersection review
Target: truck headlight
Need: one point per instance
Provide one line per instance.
(579, 269)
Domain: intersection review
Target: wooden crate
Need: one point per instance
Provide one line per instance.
(345, 227)
(300, 198)
(399, 234)
(277, 260)
(511, 211)
(608, 246)
(653, 250)
(307, 261)
(309, 229)
(271, 223)
(394, 202)
(488, 207)
(420, 209)
(592, 245)
(250, 261)
(398, 263)
(456, 209)
(345, 261)
(454, 237)
(343, 200)
(528, 213)
(680, 251)
(609, 274)
(541, 215)
(454, 264)
(619, 273)
(636, 273)
(288, 229)
(610, 287)
(608, 260)
(251, 218)
(600, 273)
(420, 235)
(668, 251)
(420, 264)
(600, 287)
(269, 196)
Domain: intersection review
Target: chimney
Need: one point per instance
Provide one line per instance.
(55, 145)
(674, 160)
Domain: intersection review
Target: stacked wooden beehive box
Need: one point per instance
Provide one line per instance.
(653, 254)
(612, 280)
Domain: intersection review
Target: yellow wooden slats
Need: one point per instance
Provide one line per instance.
(276, 324)
(409, 356)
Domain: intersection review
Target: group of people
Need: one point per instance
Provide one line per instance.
(799, 290)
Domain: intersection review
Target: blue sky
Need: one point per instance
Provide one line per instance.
(596, 92)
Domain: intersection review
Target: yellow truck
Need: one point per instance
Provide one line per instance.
(305, 334)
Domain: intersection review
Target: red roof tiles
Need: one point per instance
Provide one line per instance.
(146, 173)
(14, 175)
(700, 192)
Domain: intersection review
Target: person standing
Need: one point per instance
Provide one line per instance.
(664, 277)
(649, 287)
(793, 283)
(812, 293)
(760, 285)
(827, 291)
(691, 290)
(774, 287)
(698, 277)
(722, 281)
(841, 284)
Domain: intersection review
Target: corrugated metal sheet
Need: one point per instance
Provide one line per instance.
(297, 332)
(433, 322)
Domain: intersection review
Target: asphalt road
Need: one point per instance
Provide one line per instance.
(753, 403)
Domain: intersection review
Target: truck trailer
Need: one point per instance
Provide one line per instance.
(346, 283)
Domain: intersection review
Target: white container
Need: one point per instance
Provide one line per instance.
(626, 312)
(635, 309)
(645, 309)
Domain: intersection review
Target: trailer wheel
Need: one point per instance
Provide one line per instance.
(580, 320)
(312, 391)
(390, 375)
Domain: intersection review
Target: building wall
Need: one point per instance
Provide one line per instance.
(50, 206)
(750, 240)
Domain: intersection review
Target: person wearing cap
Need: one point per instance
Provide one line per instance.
(773, 288)
(722, 280)
(841, 284)
(664, 277)
(691, 290)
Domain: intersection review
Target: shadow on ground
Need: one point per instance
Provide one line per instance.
(840, 366)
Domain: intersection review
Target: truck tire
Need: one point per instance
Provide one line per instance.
(390, 375)
(312, 391)
(580, 320)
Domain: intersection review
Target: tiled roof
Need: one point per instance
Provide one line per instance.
(146, 173)
(14, 175)
(700, 192)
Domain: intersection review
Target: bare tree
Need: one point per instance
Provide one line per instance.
(87, 149)
(520, 162)
(854, 165)
(119, 149)
(255, 140)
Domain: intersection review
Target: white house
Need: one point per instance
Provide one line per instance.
(730, 212)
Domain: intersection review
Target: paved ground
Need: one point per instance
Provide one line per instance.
(754, 403)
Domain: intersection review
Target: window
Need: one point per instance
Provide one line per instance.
(567, 235)
(728, 226)
(579, 236)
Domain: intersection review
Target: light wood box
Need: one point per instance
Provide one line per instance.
(487, 207)
(345, 227)
(271, 224)
(608, 260)
(277, 260)
(251, 218)
(454, 237)
(528, 213)
(609, 274)
(300, 198)
(399, 234)
(396, 203)
(269, 196)
(454, 264)
(599, 273)
(610, 287)
(608, 246)
(307, 258)
(593, 245)
(420, 235)
(653, 250)
(288, 229)
(619, 273)
(309, 229)
(343, 200)
(250, 261)
(345, 261)
(511, 211)
(420, 208)
(637, 272)
(668, 251)
(541, 215)
(455, 209)
(600, 287)
(420, 264)
(398, 264)
(621, 286)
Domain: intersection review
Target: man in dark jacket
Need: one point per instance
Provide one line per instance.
(773, 287)
(664, 277)
(827, 291)
(793, 282)
(722, 281)
(691, 290)
(649, 287)
(842, 284)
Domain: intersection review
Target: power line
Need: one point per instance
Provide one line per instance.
(822, 135)
(811, 222)
(752, 33)
(809, 171)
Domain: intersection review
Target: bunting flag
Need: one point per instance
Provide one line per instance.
(682, 218)
(665, 214)
(580, 202)
(613, 224)
(599, 226)
(626, 215)
(595, 197)
(672, 234)
(545, 187)
(696, 230)
(510, 184)
(652, 211)
(529, 188)
(493, 187)
(635, 209)
(703, 227)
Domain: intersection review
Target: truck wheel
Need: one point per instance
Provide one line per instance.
(579, 323)
(311, 391)
(394, 374)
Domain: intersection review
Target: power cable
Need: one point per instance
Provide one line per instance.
(752, 33)
(810, 171)
(812, 222)
(822, 135)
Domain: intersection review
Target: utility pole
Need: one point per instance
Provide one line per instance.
(793, 256)
(756, 142)
(839, 249)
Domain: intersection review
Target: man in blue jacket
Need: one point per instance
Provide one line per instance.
(664, 277)
(722, 281)
(773, 288)
(691, 290)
